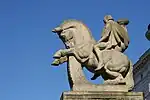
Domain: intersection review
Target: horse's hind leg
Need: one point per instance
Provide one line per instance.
(116, 77)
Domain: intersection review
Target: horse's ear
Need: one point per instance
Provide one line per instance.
(57, 30)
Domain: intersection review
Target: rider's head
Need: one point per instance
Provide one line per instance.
(107, 18)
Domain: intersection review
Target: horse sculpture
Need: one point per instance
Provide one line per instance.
(80, 44)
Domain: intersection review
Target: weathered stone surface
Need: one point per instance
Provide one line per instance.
(75, 76)
(101, 87)
(103, 58)
(93, 95)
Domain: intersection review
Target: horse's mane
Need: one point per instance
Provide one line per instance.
(76, 21)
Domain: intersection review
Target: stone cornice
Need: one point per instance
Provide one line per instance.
(143, 81)
(141, 62)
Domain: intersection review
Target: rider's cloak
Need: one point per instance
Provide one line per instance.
(115, 34)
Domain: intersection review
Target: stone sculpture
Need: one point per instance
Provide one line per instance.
(103, 58)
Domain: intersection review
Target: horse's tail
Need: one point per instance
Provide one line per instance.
(129, 78)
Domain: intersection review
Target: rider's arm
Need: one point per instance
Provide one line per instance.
(105, 33)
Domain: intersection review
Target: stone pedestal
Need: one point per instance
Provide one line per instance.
(95, 95)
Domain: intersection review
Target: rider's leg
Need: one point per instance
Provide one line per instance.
(98, 50)
(99, 56)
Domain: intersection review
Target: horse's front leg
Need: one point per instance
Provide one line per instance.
(64, 52)
(61, 56)
(69, 52)
(59, 61)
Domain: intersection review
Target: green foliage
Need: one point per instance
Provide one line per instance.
(148, 35)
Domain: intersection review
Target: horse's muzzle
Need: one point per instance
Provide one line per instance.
(57, 30)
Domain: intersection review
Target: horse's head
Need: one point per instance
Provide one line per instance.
(73, 32)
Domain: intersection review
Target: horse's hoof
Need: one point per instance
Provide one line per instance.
(115, 82)
(111, 82)
(100, 66)
(122, 82)
(95, 76)
(55, 63)
(57, 56)
(107, 82)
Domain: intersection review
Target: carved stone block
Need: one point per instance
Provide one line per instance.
(95, 95)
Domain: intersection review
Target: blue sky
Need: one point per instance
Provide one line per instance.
(27, 43)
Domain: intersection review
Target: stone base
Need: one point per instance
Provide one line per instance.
(95, 95)
(103, 87)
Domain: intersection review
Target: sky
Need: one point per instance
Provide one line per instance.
(27, 44)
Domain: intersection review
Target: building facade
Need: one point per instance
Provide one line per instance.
(141, 75)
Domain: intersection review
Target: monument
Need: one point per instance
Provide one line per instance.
(103, 58)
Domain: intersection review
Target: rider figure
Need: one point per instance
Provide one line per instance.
(114, 37)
